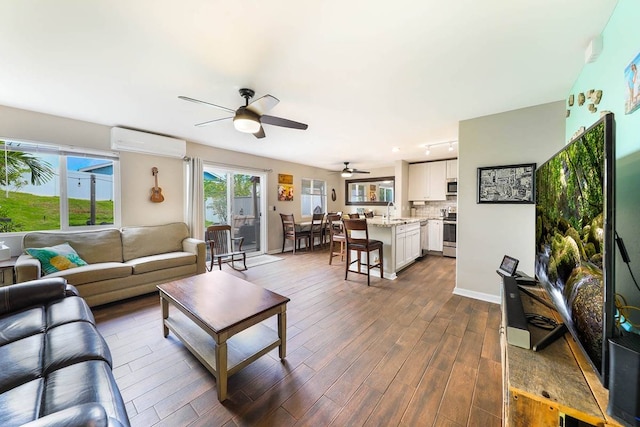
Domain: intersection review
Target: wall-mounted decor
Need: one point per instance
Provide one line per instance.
(632, 80)
(333, 194)
(156, 192)
(507, 184)
(285, 187)
(369, 191)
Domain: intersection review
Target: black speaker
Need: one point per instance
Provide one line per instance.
(624, 379)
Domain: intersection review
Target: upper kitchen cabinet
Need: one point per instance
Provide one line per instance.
(427, 181)
(452, 169)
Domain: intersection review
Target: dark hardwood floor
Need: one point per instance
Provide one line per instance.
(398, 353)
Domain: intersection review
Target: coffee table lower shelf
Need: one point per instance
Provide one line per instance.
(242, 349)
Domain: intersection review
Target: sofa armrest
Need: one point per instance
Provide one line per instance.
(199, 248)
(27, 268)
(22, 295)
(87, 414)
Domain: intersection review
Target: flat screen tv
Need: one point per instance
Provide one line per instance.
(574, 238)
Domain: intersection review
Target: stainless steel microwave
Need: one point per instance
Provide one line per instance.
(452, 187)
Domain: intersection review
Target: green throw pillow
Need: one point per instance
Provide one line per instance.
(56, 258)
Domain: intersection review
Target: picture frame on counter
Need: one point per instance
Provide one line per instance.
(507, 184)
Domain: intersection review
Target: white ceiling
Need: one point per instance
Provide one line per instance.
(364, 75)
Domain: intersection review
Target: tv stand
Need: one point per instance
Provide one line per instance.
(553, 387)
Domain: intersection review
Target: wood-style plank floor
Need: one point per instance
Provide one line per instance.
(398, 353)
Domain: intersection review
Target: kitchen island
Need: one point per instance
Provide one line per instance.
(401, 243)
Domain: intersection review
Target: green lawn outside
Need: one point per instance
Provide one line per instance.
(29, 212)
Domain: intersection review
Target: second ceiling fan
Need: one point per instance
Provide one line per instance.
(348, 172)
(249, 118)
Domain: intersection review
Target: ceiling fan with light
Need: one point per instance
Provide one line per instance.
(348, 172)
(249, 118)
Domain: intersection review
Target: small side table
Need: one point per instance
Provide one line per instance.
(7, 271)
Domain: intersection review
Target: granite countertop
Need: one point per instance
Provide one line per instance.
(378, 221)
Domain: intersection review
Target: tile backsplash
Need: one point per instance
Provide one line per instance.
(432, 209)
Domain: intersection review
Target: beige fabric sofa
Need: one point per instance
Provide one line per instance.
(122, 263)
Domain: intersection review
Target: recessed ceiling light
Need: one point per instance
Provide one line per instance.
(395, 149)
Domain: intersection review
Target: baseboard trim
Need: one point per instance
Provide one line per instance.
(477, 295)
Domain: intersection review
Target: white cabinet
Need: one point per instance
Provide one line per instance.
(435, 234)
(427, 181)
(407, 244)
(401, 253)
(418, 181)
(452, 169)
(437, 181)
(412, 243)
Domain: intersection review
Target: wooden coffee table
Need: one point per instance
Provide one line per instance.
(221, 327)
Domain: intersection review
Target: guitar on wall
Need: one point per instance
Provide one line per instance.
(156, 192)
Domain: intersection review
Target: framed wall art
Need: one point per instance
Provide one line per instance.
(507, 184)
(285, 187)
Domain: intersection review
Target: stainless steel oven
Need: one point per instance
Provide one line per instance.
(449, 236)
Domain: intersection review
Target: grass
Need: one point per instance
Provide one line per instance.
(30, 212)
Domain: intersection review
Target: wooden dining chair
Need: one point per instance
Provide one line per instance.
(336, 235)
(291, 232)
(368, 214)
(225, 248)
(360, 242)
(354, 216)
(317, 229)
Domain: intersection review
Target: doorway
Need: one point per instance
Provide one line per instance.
(236, 198)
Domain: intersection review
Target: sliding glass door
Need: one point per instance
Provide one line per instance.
(235, 197)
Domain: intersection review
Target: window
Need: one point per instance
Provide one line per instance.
(51, 188)
(313, 196)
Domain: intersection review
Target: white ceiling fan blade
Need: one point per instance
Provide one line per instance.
(197, 101)
(208, 122)
(264, 104)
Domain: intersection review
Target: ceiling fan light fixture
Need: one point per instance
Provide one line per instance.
(346, 174)
(246, 121)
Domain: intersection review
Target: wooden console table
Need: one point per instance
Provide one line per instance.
(554, 387)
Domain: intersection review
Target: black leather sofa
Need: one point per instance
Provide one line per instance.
(55, 367)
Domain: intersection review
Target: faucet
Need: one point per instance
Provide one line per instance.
(388, 208)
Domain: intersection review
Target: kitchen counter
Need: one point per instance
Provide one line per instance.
(378, 221)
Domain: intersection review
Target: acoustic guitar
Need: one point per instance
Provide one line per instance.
(156, 192)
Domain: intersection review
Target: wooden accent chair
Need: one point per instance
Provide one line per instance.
(290, 232)
(360, 242)
(317, 229)
(336, 235)
(225, 248)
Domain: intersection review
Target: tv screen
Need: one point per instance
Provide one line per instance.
(574, 238)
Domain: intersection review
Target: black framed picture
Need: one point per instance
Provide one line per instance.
(507, 184)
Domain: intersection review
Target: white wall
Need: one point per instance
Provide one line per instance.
(486, 232)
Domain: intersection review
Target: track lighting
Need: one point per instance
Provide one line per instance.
(428, 150)
(451, 146)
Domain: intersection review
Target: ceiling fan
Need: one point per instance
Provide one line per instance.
(249, 118)
(347, 172)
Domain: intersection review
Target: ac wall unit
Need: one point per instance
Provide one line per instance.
(147, 143)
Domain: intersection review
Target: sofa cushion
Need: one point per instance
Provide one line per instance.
(84, 382)
(138, 242)
(56, 258)
(95, 272)
(161, 262)
(21, 361)
(92, 246)
(72, 343)
(20, 404)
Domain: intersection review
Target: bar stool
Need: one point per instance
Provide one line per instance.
(361, 244)
(336, 235)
